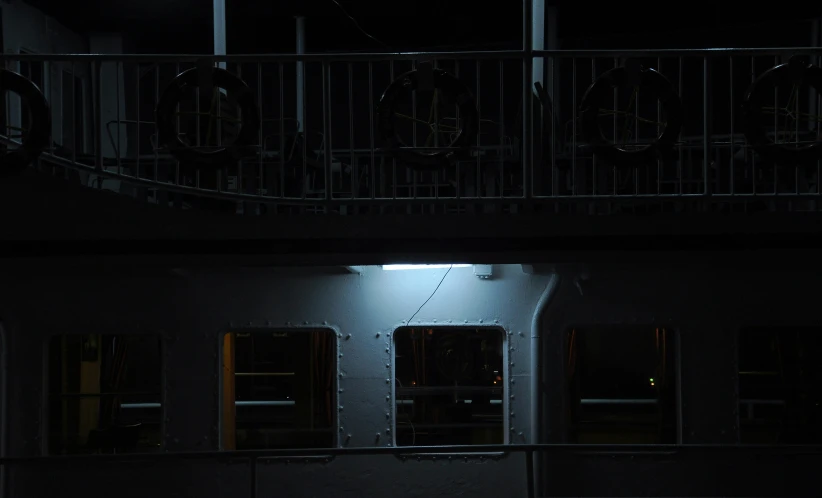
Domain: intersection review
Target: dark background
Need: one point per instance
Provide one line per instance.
(254, 26)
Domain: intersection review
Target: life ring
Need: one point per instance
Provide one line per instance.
(600, 93)
(34, 140)
(795, 72)
(452, 91)
(237, 90)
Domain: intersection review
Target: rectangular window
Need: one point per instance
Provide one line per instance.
(621, 385)
(104, 394)
(449, 384)
(279, 389)
(780, 385)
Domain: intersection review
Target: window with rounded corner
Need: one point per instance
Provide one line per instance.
(621, 385)
(780, 385)
(104, 394)
(449, 385)
(279, 389)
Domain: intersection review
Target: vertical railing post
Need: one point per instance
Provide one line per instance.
(300, 100)
(97, 80)
(528, 96)
(253, 485)
(529, 472)
(812, 95)
(219, 25)
(326, 66)
(706, 128)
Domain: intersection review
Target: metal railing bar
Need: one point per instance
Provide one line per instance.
(382, 56)
(195, 191)
(573, 449)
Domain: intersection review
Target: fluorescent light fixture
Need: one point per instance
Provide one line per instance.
(421, 267)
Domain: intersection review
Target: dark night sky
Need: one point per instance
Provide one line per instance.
(267, 25)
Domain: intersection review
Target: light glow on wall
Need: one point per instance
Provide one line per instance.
(422, 267)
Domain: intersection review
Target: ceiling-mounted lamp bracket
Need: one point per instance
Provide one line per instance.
(484, 272)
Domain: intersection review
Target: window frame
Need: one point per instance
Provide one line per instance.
(506, 381)
(335, 424)
(676, 369)
(44, 430)
(750, 327)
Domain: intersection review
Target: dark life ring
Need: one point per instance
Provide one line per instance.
(452, 91)
(37, 138)
(600, 94)
(167, 124)
(796, 71)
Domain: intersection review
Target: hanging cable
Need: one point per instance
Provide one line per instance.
(432, 294)
(357, 25)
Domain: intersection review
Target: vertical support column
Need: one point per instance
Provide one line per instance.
(538, 39)
(551, 42)
(528, 95)
(813, 60)
(543, 367)
(707, 128)
(219, 30)
(300, 72)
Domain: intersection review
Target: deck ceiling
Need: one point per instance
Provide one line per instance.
(256, 26)
(576, 16)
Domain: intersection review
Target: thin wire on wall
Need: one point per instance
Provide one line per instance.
(357, 25)
(432, 294)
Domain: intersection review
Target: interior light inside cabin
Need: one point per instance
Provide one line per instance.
(422, 267)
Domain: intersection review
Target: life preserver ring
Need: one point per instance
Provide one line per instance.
(167, 126)
(452, 91)
(795, 72)
(600, 93)
(38, 137)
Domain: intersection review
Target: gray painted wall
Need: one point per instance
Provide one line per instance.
(193, 311)
(193, 308)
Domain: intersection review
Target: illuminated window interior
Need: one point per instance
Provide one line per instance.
(449, 386)
(780, 386)
(104, 394)
(621, 385)
(279, 389)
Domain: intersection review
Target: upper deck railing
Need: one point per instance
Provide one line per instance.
(433, 132)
